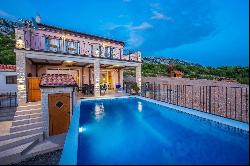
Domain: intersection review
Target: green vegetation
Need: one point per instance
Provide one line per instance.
(241, 74)
(135, 88)
(7, 55)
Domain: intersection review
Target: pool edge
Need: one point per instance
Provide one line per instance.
(71, 147)
(216, 118)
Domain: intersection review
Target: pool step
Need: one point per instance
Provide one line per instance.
(16, 153)
(21, 133)
(11, 143)
(26, 121)
(26, 126)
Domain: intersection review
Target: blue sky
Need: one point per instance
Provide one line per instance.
(209, 32)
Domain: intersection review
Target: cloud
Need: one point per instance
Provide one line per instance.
(134, 40)
(130, 33)
(143, 26)
(155, 6)
(130, 26)
(156, 9)
(7, 15)
(160, 16)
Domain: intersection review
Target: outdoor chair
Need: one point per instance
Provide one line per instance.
(103, 88)
(118, 87)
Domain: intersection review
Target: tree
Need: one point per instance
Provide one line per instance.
(7, 55)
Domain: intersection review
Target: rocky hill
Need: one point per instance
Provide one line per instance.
(7, 26)
(167, 61)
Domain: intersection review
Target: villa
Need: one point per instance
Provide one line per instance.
(91, 59)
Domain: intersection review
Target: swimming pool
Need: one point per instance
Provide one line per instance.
(134, 130)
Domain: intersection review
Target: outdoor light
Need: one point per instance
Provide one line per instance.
(97, 52)
(19, 43)
(82, 129)
(139, 106)
(68, 61)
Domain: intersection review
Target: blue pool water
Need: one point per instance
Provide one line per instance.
(135, 131)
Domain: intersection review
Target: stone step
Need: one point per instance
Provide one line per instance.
(10, 143)
(27, 107)
(27, 116)
(26, 126)
(12, 154)
(26, 121)
(30, 111)
(21, 133)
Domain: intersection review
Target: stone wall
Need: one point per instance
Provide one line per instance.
(21, 78)
(138, 76)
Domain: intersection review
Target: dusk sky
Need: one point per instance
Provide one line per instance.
(208, 32)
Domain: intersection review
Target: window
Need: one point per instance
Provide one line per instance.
(11, 79)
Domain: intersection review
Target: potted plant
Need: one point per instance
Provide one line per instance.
(135, 89)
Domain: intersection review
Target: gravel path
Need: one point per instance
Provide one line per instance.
(51, 158)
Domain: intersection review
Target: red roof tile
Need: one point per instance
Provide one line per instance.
(178, 72)
(7, 67)
(57, 80)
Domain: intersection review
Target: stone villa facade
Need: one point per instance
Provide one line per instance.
(89, 58)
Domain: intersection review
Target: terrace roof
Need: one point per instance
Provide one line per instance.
(71, 32)
(57, 80)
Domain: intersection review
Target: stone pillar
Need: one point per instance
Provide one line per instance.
(138, 76)
(97, 78)
(121, 77)
(19, 38)
(21, 78)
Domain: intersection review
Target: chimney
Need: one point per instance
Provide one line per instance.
(38, 19)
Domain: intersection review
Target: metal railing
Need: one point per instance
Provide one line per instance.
(225, 101)
(61, 46)
(8, 99)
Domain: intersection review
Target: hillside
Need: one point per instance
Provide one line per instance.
(167, 61)
(7, 26)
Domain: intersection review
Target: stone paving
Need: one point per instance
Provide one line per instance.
(51, 158)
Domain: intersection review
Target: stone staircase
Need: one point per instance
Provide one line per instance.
(25, 132)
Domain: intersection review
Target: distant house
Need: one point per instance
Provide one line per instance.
(8, 78)
(225, 79)
(176, 73)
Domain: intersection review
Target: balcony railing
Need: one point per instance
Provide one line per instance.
(41, 42)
